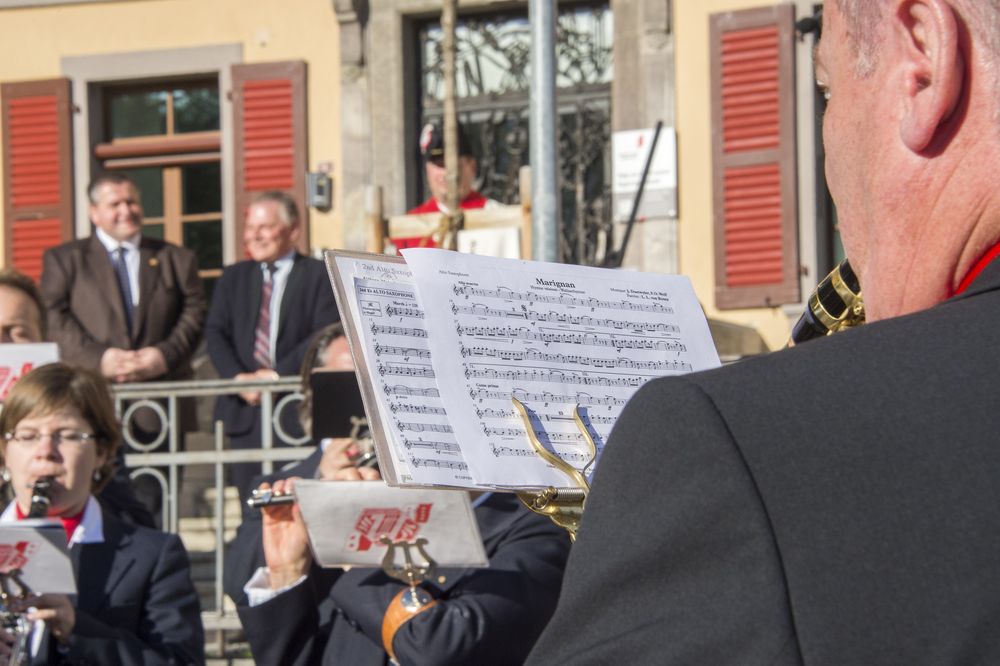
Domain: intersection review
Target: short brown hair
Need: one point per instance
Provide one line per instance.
(49, 388)
(21, 282)
(108, 178)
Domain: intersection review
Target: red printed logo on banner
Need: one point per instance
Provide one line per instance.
(15, 556)
(8, 376)
(397, 524)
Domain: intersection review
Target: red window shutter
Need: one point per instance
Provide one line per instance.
(754, 161)
(38, 170)
(269, 124)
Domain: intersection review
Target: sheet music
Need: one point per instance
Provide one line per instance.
(392, 348)
(553, 336)
(396, 345)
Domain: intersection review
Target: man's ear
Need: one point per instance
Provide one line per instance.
(932, 68)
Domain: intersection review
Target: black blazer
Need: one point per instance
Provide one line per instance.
(307, 305)
(836, 503)
(136, 603)
(486, 616)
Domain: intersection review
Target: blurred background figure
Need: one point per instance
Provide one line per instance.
(265, 311)
(136, 603)
(432, 150)
(22, 318)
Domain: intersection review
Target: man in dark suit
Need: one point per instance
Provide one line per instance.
(264, 312)
(834, 503)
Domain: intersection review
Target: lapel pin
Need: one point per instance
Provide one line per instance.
(154, 261)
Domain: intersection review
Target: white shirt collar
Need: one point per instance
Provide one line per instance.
(281, 263)
(110, 244)
(90, 529)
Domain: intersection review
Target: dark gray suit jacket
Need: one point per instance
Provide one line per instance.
(136, 602)
(487, 616)
(307, 305)
(837, 503)
(85, 311)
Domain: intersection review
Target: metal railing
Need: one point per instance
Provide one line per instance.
(163, 458)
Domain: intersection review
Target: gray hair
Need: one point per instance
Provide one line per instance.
(288, 210)
(863, 19)
(109, 178)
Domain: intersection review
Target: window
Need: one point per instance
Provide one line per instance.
(166, 137)
(492, 88)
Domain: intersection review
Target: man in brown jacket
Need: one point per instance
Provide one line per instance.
(129, 306)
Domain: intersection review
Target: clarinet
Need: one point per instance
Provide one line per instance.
(837, 304)
(40, 500)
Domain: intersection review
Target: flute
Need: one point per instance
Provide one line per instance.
(262, 498)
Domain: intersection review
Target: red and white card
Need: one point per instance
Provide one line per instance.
(34, 552)
(346, 520)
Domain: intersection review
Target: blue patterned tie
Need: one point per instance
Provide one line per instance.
(121, 271)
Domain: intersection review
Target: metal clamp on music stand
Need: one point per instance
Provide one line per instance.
(563, 506)
(412, 600)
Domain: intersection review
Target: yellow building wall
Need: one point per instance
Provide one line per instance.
(696, 239)
(33, 40)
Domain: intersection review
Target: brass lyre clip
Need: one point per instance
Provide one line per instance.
(564, 507)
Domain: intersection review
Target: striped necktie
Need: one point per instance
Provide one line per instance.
(262, 337)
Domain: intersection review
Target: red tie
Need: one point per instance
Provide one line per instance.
(262, 338)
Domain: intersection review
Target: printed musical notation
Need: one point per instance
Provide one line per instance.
(404, 391)
(509, 451)
(438, 447)
(477, 310)
(406, 370)
(378, 329)
(541, 434)
(405, 408)
(505, 354)
(545, 397)
(423, 427)
(397, 311)
(436, 463)
(588, 339)
(561, 299)
(557, 376)
(393, 350)
(510, 414)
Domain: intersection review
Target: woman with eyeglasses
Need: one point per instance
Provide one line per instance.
(136, 603)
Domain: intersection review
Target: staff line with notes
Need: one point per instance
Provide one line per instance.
(478, 310)
(561, 299)
(586, 339)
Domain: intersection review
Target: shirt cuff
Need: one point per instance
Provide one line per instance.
(258, 588)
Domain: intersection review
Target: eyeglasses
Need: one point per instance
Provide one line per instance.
(64, 436)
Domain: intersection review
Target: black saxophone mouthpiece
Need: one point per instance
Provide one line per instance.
(835, 305)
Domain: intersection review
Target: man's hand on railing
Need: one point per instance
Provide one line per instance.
(253, 397)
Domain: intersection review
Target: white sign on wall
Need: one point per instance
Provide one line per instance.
(629, 150)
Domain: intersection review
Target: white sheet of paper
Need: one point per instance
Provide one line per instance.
(502, 242)
(38, 549)
(555, 336)
(412, 429)
(419, 428)
(17, 360)
(346, 518)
